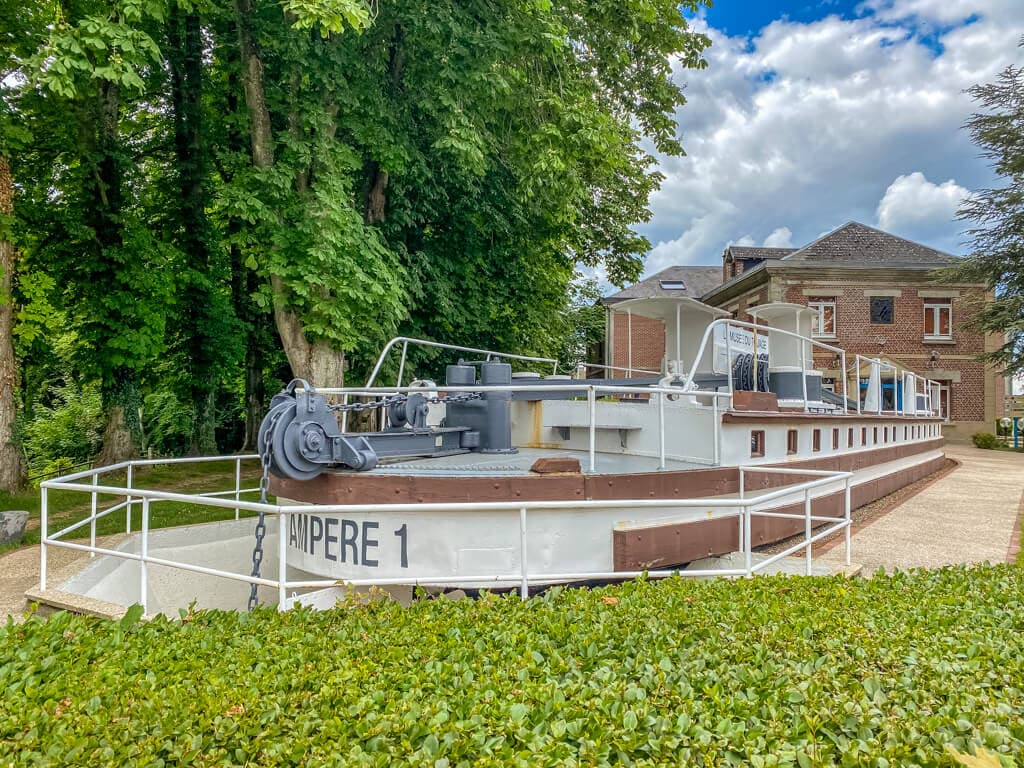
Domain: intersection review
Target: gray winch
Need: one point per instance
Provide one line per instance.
(300, 432)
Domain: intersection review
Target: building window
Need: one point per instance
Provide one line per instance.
(881, 310)
(816, 440)
(672, 285)
(944, 400)
(757, 442)
(823, 321)
(792, 444)
(938, 319)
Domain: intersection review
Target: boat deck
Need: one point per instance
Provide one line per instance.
(518, 464)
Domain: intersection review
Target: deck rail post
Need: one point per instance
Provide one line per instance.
(717, 433)
(129, 500)
(143, 561)
(742, 525)
(846, 397)
(661, 430)
(592, 402)
(808, 558)
(524, 577)
(92, 516)
(728, 360)
(803, 372)
(43, 522)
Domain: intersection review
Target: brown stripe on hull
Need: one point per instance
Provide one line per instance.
(668, 545)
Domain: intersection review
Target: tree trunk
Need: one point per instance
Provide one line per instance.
(10, 456)
(123, 434)
(199, 308)
(316, 361)
(255, 394)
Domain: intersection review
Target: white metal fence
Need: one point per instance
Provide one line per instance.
(744, 507)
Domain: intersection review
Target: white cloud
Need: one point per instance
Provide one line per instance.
(804, 126)
(779, 238)
(912, 205)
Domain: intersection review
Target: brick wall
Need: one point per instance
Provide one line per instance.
(648, 343)
(952, 362)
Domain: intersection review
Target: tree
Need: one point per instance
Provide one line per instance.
(997, 253)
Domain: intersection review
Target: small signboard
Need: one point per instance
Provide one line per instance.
(740, 341)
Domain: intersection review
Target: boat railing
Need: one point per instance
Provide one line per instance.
(897, 374)
(489, 354)
(768, 331)
(592, 392)
(743, 506)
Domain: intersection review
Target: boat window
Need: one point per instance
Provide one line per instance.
(792, 442)
(835, 439)
(849, 438)
(863, 435)
(874, 435)
(816, 440)
(757, 442)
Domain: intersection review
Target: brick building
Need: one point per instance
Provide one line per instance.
(875, 294)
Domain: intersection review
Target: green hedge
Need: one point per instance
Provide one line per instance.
(771, 671)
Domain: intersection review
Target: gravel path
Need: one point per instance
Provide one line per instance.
(968, 516)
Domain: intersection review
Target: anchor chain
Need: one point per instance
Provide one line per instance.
(261, 524)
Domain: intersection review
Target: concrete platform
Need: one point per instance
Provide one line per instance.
(789, 566)
(966, 517)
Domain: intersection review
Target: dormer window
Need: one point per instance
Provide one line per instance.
(673, 285)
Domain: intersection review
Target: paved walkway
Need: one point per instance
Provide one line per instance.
(968, 516)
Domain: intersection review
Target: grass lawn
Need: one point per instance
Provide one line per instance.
(67, 507)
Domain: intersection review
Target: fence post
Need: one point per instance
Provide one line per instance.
(43, 514)
(592, 402)
(282, 557)
(130, 500)
(807, 532)
(849, 524)
(143, 567)
(661, 430)
(524, 583)
(238, 482)
(92, 520)
(746, 540)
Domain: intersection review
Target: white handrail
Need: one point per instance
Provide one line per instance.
(744, 507)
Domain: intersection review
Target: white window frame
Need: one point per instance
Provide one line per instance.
(934, 307)
(818, 304)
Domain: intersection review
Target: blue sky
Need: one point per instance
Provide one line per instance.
(810, 115)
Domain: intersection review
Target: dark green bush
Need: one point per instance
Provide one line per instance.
(761, 672)
(985, 440)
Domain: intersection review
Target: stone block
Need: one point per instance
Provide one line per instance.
(12, 526)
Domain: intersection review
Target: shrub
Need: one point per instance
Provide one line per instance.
(985, 440)
(65, 429)
(762, 672)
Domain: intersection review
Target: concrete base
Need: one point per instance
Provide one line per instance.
(225, 546)
(12, 526)
(788, 566)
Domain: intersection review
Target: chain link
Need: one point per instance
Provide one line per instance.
(384, 402)
(261, 523)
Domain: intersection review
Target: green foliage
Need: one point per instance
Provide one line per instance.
(985, 440)
(330, 16)
(168, 423)
(64, 429)
(894, 671)
(997, 215)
